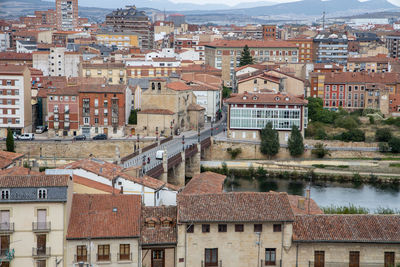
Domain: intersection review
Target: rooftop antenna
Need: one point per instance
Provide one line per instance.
(165, 16)
(323, 21)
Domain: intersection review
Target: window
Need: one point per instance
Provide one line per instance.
(5, 194)
(211, 257)
(40, 263)
(81, 254)
(103, 253)
(319, 258)
(190, 228)
(166, 223)
(73, 98)
(258, 228)
(270, 256)
(96, 102)
(389, 259)
(42, 193)
(16, 92)
(124, 252)
(239, 227)
(277, 228)
(205, 228)
(222, 228)
(354, 259)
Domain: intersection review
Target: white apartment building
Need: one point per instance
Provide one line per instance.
(57, 62)
(4, 41)
(15, 99)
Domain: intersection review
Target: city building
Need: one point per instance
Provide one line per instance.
(63, 111)
(269, 32)
(15, 58)
(331, 47)
(177, 19)
(34, 218)
(248, 113)
(379, 63)
(130, 20)
(225, 54)
(112, 72)
(15, 99)
(104, 230)
(103, 109)
(67, 14)
(25, 46)
(393, 44)
(4, 41)
(122, 40)
(57, 62)
(306, 48)
(10, 159)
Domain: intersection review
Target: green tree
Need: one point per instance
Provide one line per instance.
(320, 150)
(394, 145)
(226, 92)
(269, 141)
(246, 58)
(383, 135)
(133, 117)
(295, 142)
(10, 141)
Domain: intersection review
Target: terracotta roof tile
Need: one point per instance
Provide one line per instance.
(362, 77)
(205, 183)
(178, 86)
(158, 235)
(104, 216)
(93, 184)
(18, 171)
(347, 228)
(265, 98)
(12, 69)
(234, 207)
(15, 56)
(34, 181)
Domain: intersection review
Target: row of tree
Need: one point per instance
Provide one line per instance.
(270, 141)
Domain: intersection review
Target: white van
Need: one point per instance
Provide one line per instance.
(159, 154)
(27, 136)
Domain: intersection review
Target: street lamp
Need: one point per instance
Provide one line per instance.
(198, 134)
(183, 143)
(171, 128)
(211, 127)
(156, 134)
(143, 164)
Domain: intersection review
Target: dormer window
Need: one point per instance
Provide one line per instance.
(166, 222)
(277, 98)
(5, 194)
(151, 222)
(254, 97)
(42, 193)
(287, 98)
(244, 97)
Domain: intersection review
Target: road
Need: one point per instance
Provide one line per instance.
(176, 145)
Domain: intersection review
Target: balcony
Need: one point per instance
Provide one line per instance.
(80, 258)
(276, 264)
(347, 264)
(42, 252)
(41, 227)
(6, 228)
(124, 257)
(217, 264)
(6, 255)
(103, 258)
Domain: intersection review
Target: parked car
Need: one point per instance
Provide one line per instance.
(100, 137)
(80, 137)
(27, 136)
(40, 129)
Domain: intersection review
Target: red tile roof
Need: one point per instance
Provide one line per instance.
(205, 183)
(347, 228)
(17, 171)
(250, 43)
(12, 69)
(265, 98)
(178, 86)
(158, 235)
(34, 181)
(362, 77)
(15, 56)
(234, 207)
(104, 216)
(309, 205)
(95, 185)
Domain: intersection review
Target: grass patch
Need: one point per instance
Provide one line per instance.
(395, 165)
(350, 209)
(343, 166)
(321, 166)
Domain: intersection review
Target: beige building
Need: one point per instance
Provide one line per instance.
(15, 99)
(34, 218)
(257, 82)
(225, 54)
(57, 62)
(167, 107)
(114, 73)
(104, 230)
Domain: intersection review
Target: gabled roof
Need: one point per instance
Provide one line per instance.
(158, 235)
(266, 98)
(347, 228)
(18, 171)
(234, 207)
(34, 181)
(195, 107)
(205, 183)
(250, 43)
(15, 56)
(104, 216)
(178, 86)
(362, 77)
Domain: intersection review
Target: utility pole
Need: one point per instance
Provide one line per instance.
(323, 21)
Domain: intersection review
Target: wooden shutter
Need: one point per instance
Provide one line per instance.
(389, 259)
(354, 260)
(319, 258)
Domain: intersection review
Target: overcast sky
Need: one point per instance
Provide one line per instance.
(235, 2)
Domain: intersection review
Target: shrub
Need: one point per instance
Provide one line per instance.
(133, 117)
(346, 122)
(350, 209)
(394, 144)
(10, 141)
(295, 142)
(320, 150)
(234, 152)
(371, 120)
(320, 134)
(353, 135)
(383, 135)
(384, 147)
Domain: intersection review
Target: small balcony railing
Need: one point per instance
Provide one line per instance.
(6, 227)
(217, 264)
(41, 226)
(278, 263)
(41, 252)
(124, 257)
(80, 258)
(103, 257)
(6, 255)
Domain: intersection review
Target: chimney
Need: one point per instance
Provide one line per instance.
(301, 203)
(308, 194)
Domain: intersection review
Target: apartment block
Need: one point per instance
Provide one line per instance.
(34, 219)
(331, 47)
(67, 14)
(122, 40)
(15, 99)
(57, 62)
(113, 73)
(225, 54)
(269, 32)
(306, 48)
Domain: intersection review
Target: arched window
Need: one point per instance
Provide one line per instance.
(42, 193)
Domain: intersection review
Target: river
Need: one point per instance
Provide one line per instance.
(327, 193)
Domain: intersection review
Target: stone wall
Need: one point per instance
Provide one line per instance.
(252, 151)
